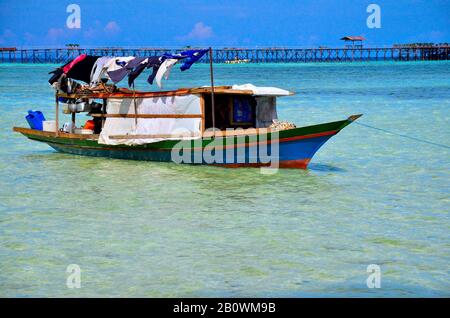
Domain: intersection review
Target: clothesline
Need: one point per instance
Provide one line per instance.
(93, 70)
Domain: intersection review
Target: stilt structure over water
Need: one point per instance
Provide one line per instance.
(355, 40)
(258, 55)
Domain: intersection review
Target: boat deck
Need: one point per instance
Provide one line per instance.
(206, 134)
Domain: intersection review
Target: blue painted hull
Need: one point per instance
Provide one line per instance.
(290, 154)
(292, 148)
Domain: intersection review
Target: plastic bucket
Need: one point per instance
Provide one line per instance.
(35, 119)
(89, 125)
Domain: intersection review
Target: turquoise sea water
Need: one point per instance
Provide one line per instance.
(160, 229)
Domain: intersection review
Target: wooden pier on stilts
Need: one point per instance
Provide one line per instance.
(253, 55)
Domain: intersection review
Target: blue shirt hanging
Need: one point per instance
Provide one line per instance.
(192, 57)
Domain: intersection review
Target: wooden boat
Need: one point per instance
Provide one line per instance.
(288, 148)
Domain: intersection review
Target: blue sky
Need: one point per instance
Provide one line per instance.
(254, 23)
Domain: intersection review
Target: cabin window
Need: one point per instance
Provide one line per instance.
(234, 111)
(242, 111)
(231, 111)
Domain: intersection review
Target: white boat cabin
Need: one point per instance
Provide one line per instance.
(134, 118)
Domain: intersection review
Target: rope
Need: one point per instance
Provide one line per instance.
(404, 136)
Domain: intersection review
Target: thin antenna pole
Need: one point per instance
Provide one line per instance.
(135, 107)
(57, 114)
(212, 88)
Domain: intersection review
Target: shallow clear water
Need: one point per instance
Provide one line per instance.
(160, 229)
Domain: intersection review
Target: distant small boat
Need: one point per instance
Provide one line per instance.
(230, 126)
(238, 61)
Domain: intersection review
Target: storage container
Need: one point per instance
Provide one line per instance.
(68, 127)
(35, 119)
(65, 109)
(72, 107)
(82, 131)
(83, 107)
(89, 124)
(49, 125)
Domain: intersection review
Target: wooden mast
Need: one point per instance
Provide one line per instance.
(135, 107)
(57, 114)
(103, 112)
(73, 121)
(212, 88)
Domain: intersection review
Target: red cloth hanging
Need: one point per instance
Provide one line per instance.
(79, 58)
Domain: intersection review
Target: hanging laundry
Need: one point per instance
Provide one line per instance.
(92, 69)
(118, 75)
(65, 68)
(82, 69)
(105, 64)
(116, 63)
(156, 66)
(192, 57)
(99, 69)
(69, 66)
(154, 62)
(177, 56)
(56, 75)
(164, 71)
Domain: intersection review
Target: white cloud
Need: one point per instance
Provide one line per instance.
(432, 36)
(29, 37)
(199, 32)
(54, 34)
(89, 33)
(98, 31)
(95, 32)
(7, 37)
(111, 27)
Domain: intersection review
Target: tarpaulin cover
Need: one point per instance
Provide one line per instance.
(189, 104)
(266, 111)
(262, 91)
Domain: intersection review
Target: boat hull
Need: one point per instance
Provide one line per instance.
(293, 148)
(294, 154)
